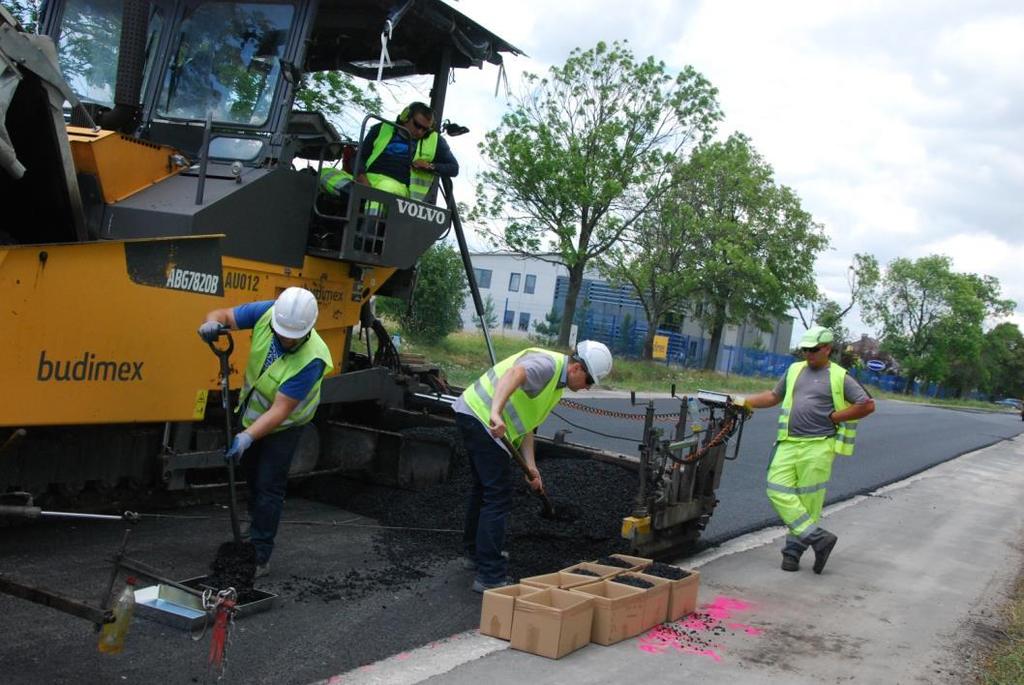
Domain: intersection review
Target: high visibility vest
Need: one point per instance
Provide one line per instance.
(846, 432)
(334, 180)
(522, 413)
(260, 387)
(420, 180)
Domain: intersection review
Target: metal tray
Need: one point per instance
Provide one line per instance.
(169, 605)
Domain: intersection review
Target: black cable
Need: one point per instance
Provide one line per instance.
(591, 430)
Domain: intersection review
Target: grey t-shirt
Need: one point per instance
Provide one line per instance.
(539, 370)
(812, 401)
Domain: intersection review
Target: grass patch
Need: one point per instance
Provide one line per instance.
(1004, 664)
(463, 357)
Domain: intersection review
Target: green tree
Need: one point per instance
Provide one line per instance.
(1002, 361)
(861, 277)
(25, 11)
(649, 256)
(340, 98)
(490, 316)
(435, 310)
(932, 317)
(584, 152)
(547, 330)
(752, 251)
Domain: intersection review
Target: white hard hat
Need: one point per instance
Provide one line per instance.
(294, 313)
(597, 357)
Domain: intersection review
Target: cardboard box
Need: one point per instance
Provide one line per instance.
(552, 622)
(637, 563)
(497, 608)
(656, 598)
(682, 598)
(603, 572)
(618, 611)
(559, 579)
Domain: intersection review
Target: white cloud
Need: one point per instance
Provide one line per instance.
(901, 126)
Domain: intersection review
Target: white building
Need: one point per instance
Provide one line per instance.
(522, 289)
(525, 289)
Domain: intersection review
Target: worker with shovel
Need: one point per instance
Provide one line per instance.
(287, 362)
(821, 405)
(496, 417)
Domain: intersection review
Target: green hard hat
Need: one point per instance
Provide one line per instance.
(816, 335)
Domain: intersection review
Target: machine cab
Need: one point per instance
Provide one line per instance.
(216, 81)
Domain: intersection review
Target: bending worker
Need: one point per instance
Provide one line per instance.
(821, 405)
(508, 402)
(287, 362)
(406, 164)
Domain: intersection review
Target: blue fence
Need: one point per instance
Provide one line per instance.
(625, 337)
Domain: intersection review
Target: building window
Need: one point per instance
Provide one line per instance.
(483, 277)
(513, 283)
(530, 285)
(510, 317)
(524, 320)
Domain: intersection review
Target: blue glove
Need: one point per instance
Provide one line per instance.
(240, 444)
(210, 330)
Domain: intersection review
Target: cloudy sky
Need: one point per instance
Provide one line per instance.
(900, 125)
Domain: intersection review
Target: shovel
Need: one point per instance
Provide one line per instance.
(548, 511)
(235, 563)
(224, 354)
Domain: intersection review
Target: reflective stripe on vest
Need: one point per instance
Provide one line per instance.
(333, 180)
(522, 413)
(261, 387)
(846, 432)
(420, 180)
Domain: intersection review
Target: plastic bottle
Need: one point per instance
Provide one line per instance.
(112, 634)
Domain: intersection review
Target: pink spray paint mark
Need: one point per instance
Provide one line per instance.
(697, 633)
(403, 656)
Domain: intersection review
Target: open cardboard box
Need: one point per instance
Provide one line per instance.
(636, 563)
(603, 572)
(656, 598)
(618, 611)
(552, 622)
(682, 598)
(497, 609)
(558, 579)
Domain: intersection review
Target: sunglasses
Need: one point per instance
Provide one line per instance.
(813, 349)
(419, 126)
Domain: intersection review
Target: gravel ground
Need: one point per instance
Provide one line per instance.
(590, 499)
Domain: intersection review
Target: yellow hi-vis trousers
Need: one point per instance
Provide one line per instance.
(798, 475)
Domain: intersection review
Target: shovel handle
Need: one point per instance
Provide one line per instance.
(520, 460)
(224, 353)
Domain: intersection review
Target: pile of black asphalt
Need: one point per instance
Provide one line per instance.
(590, 499)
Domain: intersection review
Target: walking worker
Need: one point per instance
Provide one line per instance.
(821, 405)
(509, 401)
(287, 362)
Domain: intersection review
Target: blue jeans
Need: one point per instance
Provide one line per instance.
(266, 473)
(489, 503)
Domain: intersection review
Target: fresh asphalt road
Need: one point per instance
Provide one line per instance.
(309, 638)
(898, 440)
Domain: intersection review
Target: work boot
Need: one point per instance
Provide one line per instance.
(262, 569)
(822, 548)
(479, 586)
(790, 563)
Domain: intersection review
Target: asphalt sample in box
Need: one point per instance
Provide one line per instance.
(597, 494)
(666, 571)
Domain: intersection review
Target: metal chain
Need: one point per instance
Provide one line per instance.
(719, 437)
(579, 406)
